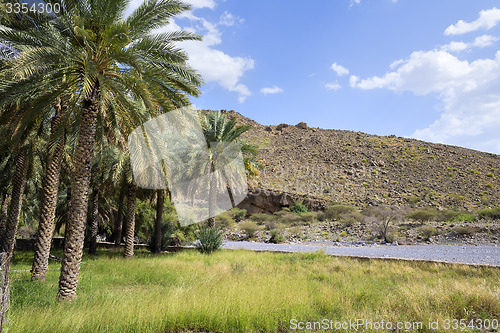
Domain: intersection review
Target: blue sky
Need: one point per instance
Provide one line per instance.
(422, 69)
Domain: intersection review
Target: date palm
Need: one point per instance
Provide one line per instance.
(50, 187)
(112, 58)
(218, 129)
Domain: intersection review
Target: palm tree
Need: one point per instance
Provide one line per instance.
(111, 59)
(129, 236)
(18, 184)
(50, 189)
(218, 130)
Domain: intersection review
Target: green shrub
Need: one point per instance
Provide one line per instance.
(321, 216)
(262, 218)
(414, 199)
(423, 215)
(465, 230)
(276, 237)
(427, 232)
(464, 217)
(347, 221)
(249, 227)
(490, 174)
(343, 234)
(296, 231)
(282, 212)
(224, 220)
(447, 215)
(298, 208)
(334, 212)
(270, 225)
(209, 239)
(238, 214)
(489, 214)
(290, 218)
(309, 217)
(382, 219)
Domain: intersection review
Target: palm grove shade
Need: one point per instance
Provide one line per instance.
(107, 63)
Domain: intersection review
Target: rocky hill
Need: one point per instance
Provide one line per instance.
(359, 168)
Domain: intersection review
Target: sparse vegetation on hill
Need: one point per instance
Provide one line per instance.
(358, 168)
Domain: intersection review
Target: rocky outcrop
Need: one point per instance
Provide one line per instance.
(265, 201)
(302, 125)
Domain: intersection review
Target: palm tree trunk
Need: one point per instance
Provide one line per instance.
(50, 186)
(212, 197)
(7, 245)
(75, 226)
(129, 236)
(229, 191)
(4, 287)
(5, 213)
(160, 203)
(119, 220)
(18, 184)
(94, 223)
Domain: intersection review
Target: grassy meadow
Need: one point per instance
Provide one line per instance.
(242, 291)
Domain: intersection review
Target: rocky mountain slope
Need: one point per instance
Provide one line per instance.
(359, 168)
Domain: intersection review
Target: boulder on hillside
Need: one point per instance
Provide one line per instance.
(281, 126)
(302, 125)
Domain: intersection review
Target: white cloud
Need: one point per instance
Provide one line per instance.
(229, 19)
(484, 41)
(333, 86)
(468, 91)
(487, 20)
(481, 41)
(455, 46)
(353, 79)
(271, 90)
(214, 65)
(219, 67)
(340, 70)
(352, 2)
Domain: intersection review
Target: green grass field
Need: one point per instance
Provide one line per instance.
(241, 291)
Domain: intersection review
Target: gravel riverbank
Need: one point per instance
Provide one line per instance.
(482, 255)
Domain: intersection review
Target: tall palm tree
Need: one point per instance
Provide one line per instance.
(129, 236)
(218, 129)
(50, 188)
(18, 184)
(112, 58)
